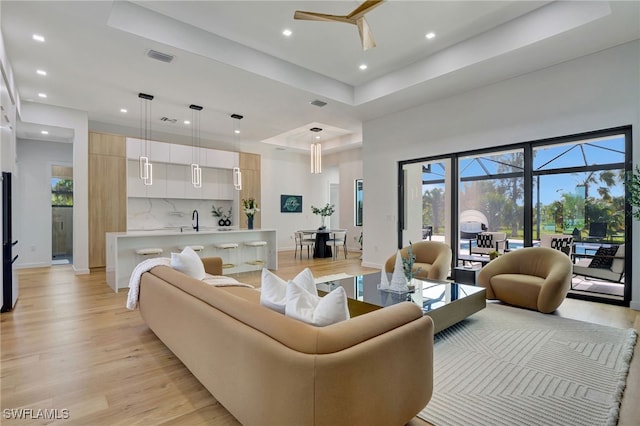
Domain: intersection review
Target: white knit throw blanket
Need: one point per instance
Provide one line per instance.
(148, 264)
(136, 275)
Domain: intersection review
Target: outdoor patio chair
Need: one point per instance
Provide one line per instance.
(606, 264)
(561, 242)
(487, 242)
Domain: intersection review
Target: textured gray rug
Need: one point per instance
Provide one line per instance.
(509, 366)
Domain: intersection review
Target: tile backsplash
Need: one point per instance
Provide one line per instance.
(162, 213)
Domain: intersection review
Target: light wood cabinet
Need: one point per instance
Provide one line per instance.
(107, 192)
(250, 167)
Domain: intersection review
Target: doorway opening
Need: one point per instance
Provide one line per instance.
(61, 215)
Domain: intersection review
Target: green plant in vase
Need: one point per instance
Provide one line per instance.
(224, 219)
(408, 262)
(250, 208)
(324, 212)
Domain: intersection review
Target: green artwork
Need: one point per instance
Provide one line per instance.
(291, 203)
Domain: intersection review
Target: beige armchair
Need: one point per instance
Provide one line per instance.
(433, 258)
(533, 277)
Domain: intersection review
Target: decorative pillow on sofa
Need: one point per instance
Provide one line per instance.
(603, 258)
(188, 262)
(315, 310)
(273, 291)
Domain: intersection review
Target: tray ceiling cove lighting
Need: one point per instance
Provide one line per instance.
(237, 174)
(146, 168)
(196, 171)
(316, 151)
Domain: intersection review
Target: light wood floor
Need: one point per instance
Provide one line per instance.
(71, 344)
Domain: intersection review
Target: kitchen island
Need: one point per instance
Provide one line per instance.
(122, 257)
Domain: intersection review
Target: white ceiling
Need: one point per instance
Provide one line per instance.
(231, 57)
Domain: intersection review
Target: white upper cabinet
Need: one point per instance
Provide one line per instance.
(159, 152)
(171, 172)
(134, 148)
(181, 154)
(220, 159)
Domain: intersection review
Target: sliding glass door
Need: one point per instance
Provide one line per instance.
(571, 186)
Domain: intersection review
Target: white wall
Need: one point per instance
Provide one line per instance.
(287, 173)
(78, 121)
(33, 199)
(598, 91)
(350, 169)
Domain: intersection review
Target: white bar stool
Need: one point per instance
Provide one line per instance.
(256, 245)
(226, 246)
(195, 248)
(148, 252)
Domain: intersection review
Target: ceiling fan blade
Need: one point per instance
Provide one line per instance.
(366, 36)
(314, 16)
(364, 8)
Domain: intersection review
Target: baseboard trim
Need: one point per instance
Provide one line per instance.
(85, 271)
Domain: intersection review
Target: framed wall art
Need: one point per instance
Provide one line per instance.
(290, 203)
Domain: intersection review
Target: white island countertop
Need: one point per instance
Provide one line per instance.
(122, 258)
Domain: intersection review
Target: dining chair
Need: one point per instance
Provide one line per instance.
(304, 239)
(337, 239)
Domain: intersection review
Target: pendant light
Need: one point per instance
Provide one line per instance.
(316, 151)
(237, 174)
(146, 168)
(196, 170)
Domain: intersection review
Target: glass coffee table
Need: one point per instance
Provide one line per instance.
(445, 302)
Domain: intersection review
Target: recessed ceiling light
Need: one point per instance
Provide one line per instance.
(363, 67)
(38, 37)
(42, 95)
(287, 32)
(430, 35)
(186, 122)
(44, 132)
(317, 137)
(123, 110)
(236, 131)
(41, 72)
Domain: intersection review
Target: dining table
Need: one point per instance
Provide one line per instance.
(321, 248)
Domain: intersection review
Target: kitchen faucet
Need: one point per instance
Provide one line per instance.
(194, 217)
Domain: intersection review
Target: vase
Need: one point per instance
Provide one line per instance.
(221, 222)
(250, 222)
(322, 221)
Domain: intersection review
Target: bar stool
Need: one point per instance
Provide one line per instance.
(256, 245)
(195, 248)
(226, 246)
(147, 252)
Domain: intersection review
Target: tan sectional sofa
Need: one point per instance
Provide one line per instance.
(268, 369)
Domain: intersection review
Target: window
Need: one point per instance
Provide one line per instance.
(358, 203)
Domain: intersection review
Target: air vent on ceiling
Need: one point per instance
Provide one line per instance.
(163, 57)
(169, 120)
(318, 103)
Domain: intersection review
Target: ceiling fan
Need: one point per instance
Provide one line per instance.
(356, 17)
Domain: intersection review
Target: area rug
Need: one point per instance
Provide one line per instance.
(509, 366)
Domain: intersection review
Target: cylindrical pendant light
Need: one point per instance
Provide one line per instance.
(146, 168)
(237, 174)
(316, 152)
(196, 170)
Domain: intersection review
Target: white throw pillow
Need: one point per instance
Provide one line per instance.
(188, 262)
(273, 290)
(315, 310)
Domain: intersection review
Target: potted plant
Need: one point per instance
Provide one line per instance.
(633, 185)
(224, 219)
(324, 212)
(250, 207)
